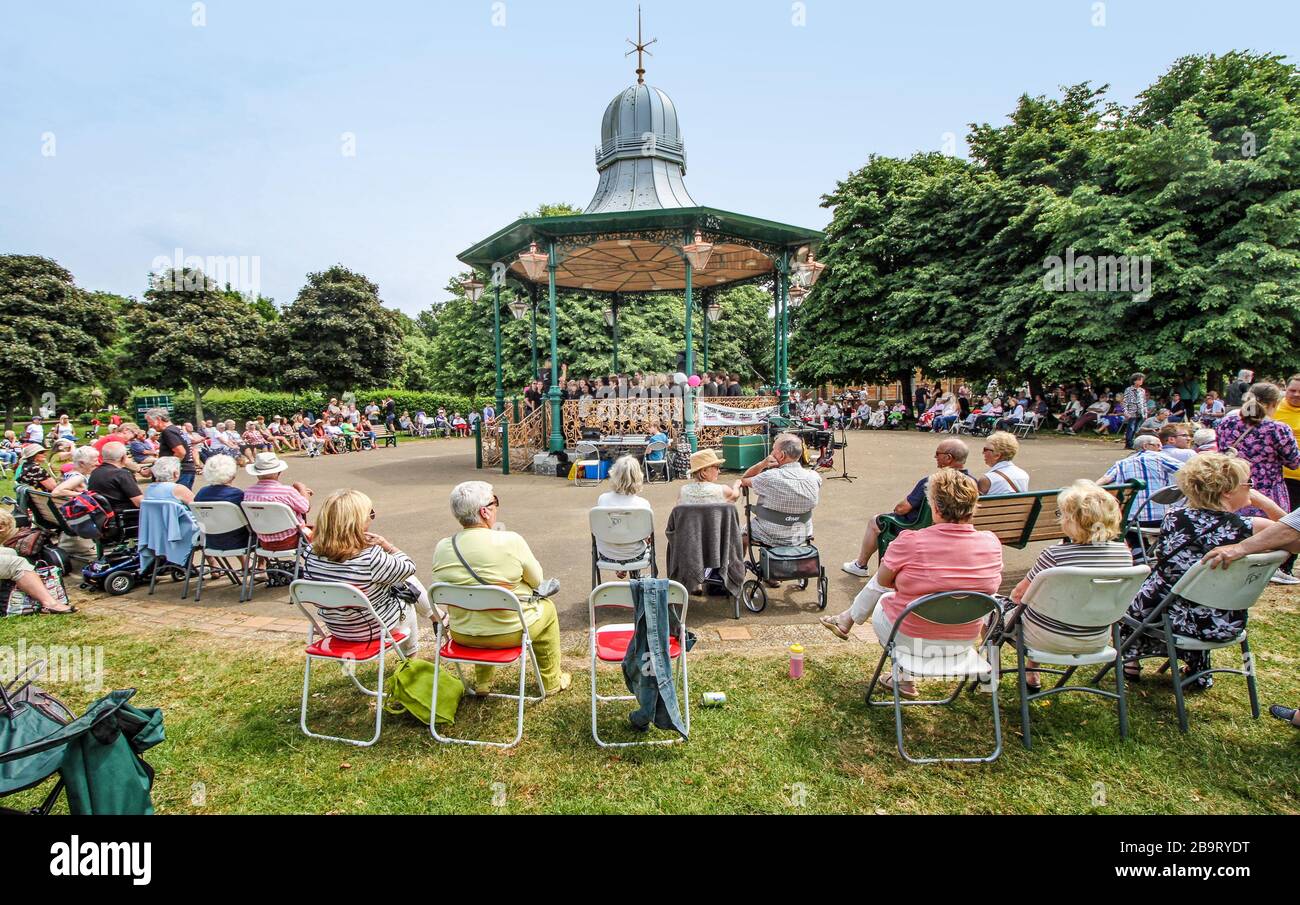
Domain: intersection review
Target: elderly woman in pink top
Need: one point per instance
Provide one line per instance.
(950, 555)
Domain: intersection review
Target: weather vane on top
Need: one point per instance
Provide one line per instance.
(639, 48)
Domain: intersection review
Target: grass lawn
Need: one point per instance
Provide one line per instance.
(233, 743)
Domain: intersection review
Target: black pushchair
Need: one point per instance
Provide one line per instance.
(96, 755)
(799, 562)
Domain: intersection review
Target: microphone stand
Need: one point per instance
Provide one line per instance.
(844, 459)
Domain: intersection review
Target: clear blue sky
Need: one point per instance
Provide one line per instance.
(225, 139)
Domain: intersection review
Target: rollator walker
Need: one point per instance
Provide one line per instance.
(799, 562)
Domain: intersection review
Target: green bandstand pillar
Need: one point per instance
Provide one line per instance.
(688, 397)
(557, 427)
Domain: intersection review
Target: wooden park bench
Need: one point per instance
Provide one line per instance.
(1018, 519)
(385, 437)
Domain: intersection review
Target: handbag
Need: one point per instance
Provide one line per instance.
(19, 604)
(410, 689)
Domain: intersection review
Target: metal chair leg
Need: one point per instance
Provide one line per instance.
(1248, 667)
(1023, 681)
(1177, 677)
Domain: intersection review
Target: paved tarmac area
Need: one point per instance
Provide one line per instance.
(410, 487)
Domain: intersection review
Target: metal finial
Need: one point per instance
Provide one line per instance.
(639, 48)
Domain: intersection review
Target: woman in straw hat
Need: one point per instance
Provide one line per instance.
(702, 489)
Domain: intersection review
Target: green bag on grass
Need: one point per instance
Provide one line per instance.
(410, 689)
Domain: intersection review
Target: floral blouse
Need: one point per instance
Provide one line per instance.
(1268, 448)
(1186, 536)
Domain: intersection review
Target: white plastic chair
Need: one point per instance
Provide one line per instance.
(609, 643)
(588, 456)
(622, 526)
(273, 518)
(661, 464)
(949, 608)
(221, 518)
(482, 598)
(1233, 589)
(321, 645)
(1077, 596)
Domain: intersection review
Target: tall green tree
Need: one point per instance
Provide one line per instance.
(55, 332)
(189, 332)
(338, 335)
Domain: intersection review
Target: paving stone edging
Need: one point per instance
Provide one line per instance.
(755, 637)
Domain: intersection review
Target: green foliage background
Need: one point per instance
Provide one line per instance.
(935, 264)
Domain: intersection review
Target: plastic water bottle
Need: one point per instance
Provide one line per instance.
(796, 661)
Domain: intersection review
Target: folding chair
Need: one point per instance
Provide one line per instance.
(949, 608)
(661, 464)
(1232, 589)
(609, 644)
(588, 456)
(481, 598)
(321, 645)
(273, 518)
(1029, 425)
(1078, 596)
(622, 526)
(215, 519)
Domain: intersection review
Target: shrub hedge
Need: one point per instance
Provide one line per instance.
(245, 405)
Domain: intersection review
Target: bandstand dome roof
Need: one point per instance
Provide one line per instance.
(629, 239)
(642, 155)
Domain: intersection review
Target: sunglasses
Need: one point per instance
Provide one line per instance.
(496, 503)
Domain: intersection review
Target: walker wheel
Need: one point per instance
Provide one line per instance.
(823, 587)
(803, 584)
(754, 596)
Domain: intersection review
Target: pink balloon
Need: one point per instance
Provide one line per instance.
(695, 380)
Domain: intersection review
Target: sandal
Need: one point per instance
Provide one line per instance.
(43, 611)
(1132, 673)
(829, 623)
(888, 683)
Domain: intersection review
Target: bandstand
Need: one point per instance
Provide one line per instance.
(641, 234)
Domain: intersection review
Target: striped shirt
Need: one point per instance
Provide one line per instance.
(1156, 470)
(1135, 402)
(271, 490)
(1110, 555)
(373, 572)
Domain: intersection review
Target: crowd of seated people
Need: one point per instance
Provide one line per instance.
(1236, 480)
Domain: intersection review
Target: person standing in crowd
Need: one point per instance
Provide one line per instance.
(1288, 412)
(174, 441)
(1135, 408)
(1268, 445)
(1237, 390)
